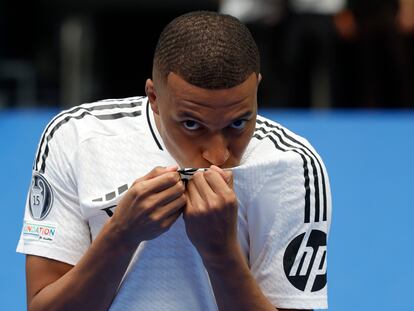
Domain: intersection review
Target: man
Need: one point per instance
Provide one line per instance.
(247, 233)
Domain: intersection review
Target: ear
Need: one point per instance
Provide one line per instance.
(259, 78)
(152, 96)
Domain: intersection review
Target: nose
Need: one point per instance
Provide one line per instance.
(216, 150)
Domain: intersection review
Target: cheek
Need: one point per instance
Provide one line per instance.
(240, 144)
(180, 145)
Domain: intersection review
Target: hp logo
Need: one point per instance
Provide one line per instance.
(304, 261)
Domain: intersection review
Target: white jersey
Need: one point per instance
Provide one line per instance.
(90, 155)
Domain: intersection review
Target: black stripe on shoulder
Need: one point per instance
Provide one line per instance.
(305, 170)
(304, 152)
(118, 115)
(97, 106)
(312, 162)
(55, 124)
(307, 151)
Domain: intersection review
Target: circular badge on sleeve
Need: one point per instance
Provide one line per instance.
(41, 197)
(304, 261)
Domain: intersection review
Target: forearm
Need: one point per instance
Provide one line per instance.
(233, 284)
(92, 283)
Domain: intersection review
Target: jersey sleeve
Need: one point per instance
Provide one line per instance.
(288, 223)
(53, 224)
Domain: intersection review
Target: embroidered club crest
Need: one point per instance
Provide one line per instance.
(41, 197)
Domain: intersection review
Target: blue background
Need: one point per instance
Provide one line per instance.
(369, 157)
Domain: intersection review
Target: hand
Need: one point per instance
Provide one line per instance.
(211, 213)
(149, 207)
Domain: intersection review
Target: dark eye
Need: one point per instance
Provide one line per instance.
(239, 124)
(191, 125)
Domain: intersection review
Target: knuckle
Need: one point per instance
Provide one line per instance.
(139, 189)
(229, 177)
(135, 182)
(214, 203)
(149, 204)
(146, 205)
(182, 200)
(154, 218)
(134, 190)
(177, 176)
(230, 197)
(165, 226)
(230, 200)
(154, 172)
(157, 170)
(180, 187)
(172, 178)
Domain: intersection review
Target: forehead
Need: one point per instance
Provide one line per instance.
(183, 96)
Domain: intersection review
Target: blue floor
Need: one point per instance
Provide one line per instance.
(370, 160)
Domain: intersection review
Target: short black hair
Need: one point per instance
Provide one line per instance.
(207, 49)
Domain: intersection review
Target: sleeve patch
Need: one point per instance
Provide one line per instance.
(41, 197)
(305, 261)
(35, 231)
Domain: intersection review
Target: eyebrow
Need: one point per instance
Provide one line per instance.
(245, 115)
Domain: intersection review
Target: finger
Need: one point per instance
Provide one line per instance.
(142, 188)
(188, 207)
(159, 183)
(173, 207)
(194, 199)
(155, 172)
(216, 182)
(203, 188)
(170, 194)
(227, 175)
(159, 170)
